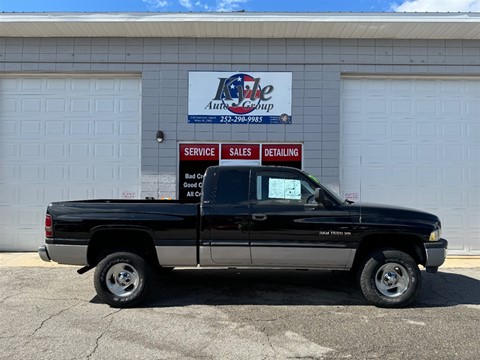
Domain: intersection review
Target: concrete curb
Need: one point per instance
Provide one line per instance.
(31, 259)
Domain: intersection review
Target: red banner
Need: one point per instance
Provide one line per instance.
(292, 152)
(241, 151)
(199, 152)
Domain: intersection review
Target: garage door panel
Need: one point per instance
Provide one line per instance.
(105, 106)
(79, 193)
(128, 173)
(404, 175)
(31, 128)
(31, 105)
(127, 85)
(80, 174)
(472, 87)
(104, 192)
(375, 176)
(399, 195)
(454, 175)
(104, 128)
(402, 153)
(64, 138)
(415, 143)
(104, 173)
(129, 106)
(8, 106)
(55, 194)
(56, 150)
(104, 150)
(427, 153)
(31, 194)
(426, 107)
(56, 106)
(9, 173)
(427, 131)
(473, 154)
(30, 150)
(473, 199)
(473, 130)
(472, 107)
(129, 128)
(452, 131)
(30, 173)
(425, 87)
(401, 130)
(451, 107)
(8, 194)
(376, 128)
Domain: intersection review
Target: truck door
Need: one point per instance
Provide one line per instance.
(290, 229)
(229, 220)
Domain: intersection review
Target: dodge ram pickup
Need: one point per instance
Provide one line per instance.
(248, 216)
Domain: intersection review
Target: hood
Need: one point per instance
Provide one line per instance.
(376, 213)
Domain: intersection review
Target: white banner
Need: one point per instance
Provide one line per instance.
(239, 97)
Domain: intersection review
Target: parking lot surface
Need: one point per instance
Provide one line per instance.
(53, 313)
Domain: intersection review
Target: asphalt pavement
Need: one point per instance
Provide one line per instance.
(51, 312)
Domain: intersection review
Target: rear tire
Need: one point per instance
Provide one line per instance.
(123, 279)
(390, 278)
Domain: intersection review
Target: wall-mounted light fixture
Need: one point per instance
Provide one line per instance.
(160, 136)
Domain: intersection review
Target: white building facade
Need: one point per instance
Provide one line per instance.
(381, 107)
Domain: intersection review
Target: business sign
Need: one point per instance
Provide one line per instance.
(239, 98)
(196, 158)
(282, 154)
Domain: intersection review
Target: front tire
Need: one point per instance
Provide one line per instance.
(390, 278)
(123, 279)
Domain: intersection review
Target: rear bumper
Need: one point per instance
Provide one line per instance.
(43, 253)
(64, 254)
(436, 253)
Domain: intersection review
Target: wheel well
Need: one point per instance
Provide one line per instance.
(106, 242)
(409, 244)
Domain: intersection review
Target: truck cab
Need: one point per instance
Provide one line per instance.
(269, 216)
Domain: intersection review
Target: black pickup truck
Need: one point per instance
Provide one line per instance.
(263, 217)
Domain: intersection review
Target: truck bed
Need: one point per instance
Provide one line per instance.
(163, 220)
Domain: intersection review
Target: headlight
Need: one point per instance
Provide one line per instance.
(435, 235)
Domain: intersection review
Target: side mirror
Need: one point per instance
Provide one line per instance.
(319, 195)
(320, 198)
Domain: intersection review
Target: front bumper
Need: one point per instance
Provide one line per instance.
(436, 253)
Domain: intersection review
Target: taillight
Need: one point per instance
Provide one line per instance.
(48, 226)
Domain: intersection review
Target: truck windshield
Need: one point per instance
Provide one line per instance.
(331, 192)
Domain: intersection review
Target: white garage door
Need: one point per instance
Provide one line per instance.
(415, 142)
(64, 138)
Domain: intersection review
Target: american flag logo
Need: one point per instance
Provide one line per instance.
(241, 104)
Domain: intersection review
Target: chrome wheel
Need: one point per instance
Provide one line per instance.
(122, 279)
(392, 280)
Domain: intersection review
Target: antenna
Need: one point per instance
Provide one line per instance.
(361, 197)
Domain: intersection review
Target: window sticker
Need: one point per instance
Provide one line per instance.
(276, 188)
(284, 189)
(292, 189)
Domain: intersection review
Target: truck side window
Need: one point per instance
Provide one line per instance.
(276, 187)
(232, 187)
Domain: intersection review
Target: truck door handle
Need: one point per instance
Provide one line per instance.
(259, 217)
